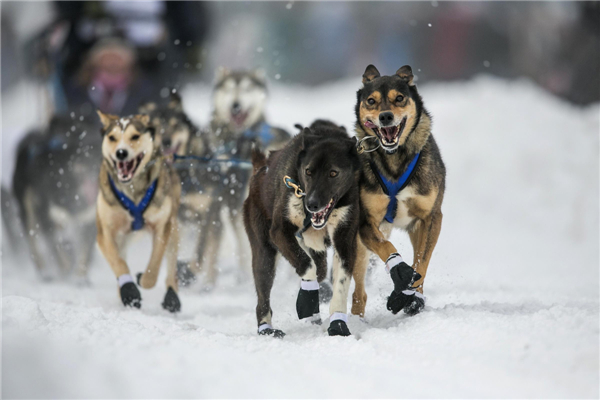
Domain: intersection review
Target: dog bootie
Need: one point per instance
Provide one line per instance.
(171, 302)
(416, 305)
(307, 303)
(268, 330)
(130, 295)
(185, 276)
(338, 325)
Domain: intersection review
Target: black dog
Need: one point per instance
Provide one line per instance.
(310, 184)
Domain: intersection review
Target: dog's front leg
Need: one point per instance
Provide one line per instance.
(344, 258)
(283, 236)
(424, 238)
(130, 295)
(160, 239)
(171, 302)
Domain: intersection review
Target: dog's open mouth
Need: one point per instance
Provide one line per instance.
(126, 169)
(239, 118)
(319, 219)
(388, 135)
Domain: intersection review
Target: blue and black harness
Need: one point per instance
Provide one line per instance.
(392, 188)
(135, 210)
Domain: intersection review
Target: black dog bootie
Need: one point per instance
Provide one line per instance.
(130, 295)
(307, 303)
(171, 302)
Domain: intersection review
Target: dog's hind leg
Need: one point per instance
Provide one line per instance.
(263, 269)
(32, 233)
(359, 297)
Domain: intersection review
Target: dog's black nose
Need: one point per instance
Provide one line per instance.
(121, 154)
(312, 204)
(236, 107)
(386, 118)
(166, 142)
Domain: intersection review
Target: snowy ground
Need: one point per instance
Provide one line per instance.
(513, 287)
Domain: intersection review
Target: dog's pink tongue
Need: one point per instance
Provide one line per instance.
(389, 133)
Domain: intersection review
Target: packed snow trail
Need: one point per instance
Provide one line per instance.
(512, 289)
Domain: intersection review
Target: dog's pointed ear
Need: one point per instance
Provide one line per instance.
(175, 101)
(406, 74)
(221, 73)
(304, 133)
(144, 118)
(106, 119)
(370, 73)
(147, 108)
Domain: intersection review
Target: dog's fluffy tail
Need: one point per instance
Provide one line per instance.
(259, 159)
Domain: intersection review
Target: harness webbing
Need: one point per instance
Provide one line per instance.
(392, 188)
(263, 133)
(299, 193)
(136, 211)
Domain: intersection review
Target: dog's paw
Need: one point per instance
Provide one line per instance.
(338, 328)
(268, 330)
(325, 292)
(185, 276)
(171, 302)
(397, 301)
(411, 301)
(130, 295)
(416, 305)
(307, 303)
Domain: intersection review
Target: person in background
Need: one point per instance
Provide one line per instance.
(109, 80)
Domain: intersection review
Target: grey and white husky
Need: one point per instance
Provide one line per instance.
(238, 123)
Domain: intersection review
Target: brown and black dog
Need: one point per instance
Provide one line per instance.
(138, 190)
(402, 184)
(309, 185)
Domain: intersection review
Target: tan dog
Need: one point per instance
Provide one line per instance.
(402, 184)
(138, 190)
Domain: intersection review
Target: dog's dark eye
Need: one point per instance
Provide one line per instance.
(371, 101)
(399, 99)
(333, 173)
(112, 138)
(307, 172)
(135, 137)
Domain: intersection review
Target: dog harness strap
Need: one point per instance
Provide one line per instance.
(136, 211)
(392, 188)
(263, 133)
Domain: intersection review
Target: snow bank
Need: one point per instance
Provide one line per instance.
(513, 299)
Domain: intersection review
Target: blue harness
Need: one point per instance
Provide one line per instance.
(393, 188)
(136, 211)
(263, 133)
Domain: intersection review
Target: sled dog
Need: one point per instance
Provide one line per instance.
(55, 187)
(238, 122)
(402, 185)
(138, 190)
(304, 198)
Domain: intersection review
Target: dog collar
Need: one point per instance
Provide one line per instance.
(392, 188)
(299, 193)
(136, 211)
(263, 133)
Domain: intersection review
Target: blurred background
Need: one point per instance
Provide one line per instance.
(62, 57)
